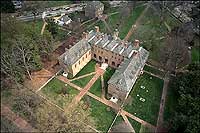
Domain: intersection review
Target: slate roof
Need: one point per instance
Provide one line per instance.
(77, 51)
(95, 4)
(126, 74)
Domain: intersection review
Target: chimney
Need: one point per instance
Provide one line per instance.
(116, 33)
(85, 35)
(97, 28)
(137, 43)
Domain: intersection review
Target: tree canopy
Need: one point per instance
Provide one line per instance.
(186, 117)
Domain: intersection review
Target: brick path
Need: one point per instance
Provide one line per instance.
(18, 121)
(128, 123)
(102, 88)
(83, 76)
(162, 103)
(134, 25)
(108, 103)
(83, 91)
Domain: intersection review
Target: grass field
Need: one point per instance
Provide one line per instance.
(129, 21)
(82, 82)
(103, 118)
(53, 92)
(90, 67)
(136, 125)
(171, 103)
(107, 75)
(195, 54)
(96, 88)
(147, 110)
(152, 33)
(154, 71)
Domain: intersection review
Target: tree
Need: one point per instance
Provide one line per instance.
(186, 115)
(26, 54)
(174, 53)
(53, 120)
(7, 7)
(52, 27)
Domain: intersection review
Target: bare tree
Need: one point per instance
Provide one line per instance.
(175, 52)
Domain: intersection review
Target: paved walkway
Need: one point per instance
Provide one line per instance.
(135, 24)
(83, 76)
(128, 123)
(158, 76)
(83, 91)
(162, 103)
(17, 120)
(102, 88)
(108, 103)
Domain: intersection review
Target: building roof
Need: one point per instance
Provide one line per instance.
(126, 74)
(65, 18)
(95, 4)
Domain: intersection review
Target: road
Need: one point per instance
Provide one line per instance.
(66, 9)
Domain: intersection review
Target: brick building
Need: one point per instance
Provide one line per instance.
(93, 9)
(128, 58)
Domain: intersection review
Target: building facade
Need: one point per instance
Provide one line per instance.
(128, 58)
(93, 9)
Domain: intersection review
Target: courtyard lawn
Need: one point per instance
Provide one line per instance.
(171, 104)
(96, 88)
(154, 71)
(102, 117)
(90, 67)
(195, 54)
(136, 125)
(82, 82)
(53, 91)
(129, 21)
(147, 110)
(107, 75)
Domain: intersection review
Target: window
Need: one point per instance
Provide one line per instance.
(86, 56)
(79, 62)
(115, 57)
(75, 66)
(95, 56)
(83, 58)
(106, 60)
(113, 63)
(118, 65)
(89, 52)
(100, 58)
(101, 52)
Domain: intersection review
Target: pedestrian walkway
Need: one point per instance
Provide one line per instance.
(83, 76)
(135, 24)
(104, 101)
(83, 91)
(162, 103)
(17, 120)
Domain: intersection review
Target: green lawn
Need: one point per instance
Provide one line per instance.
(147, 110)
(52, 91)
(107, 75)
(102, 117)
(82, 82)
(171, 103)
(195, 54)
(136, 125)
(96, 88)
(90, 67)
(154, 71)
(150, 30)
(128, 22)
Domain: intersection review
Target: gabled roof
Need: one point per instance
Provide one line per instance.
(95, 4)
(126, 74)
